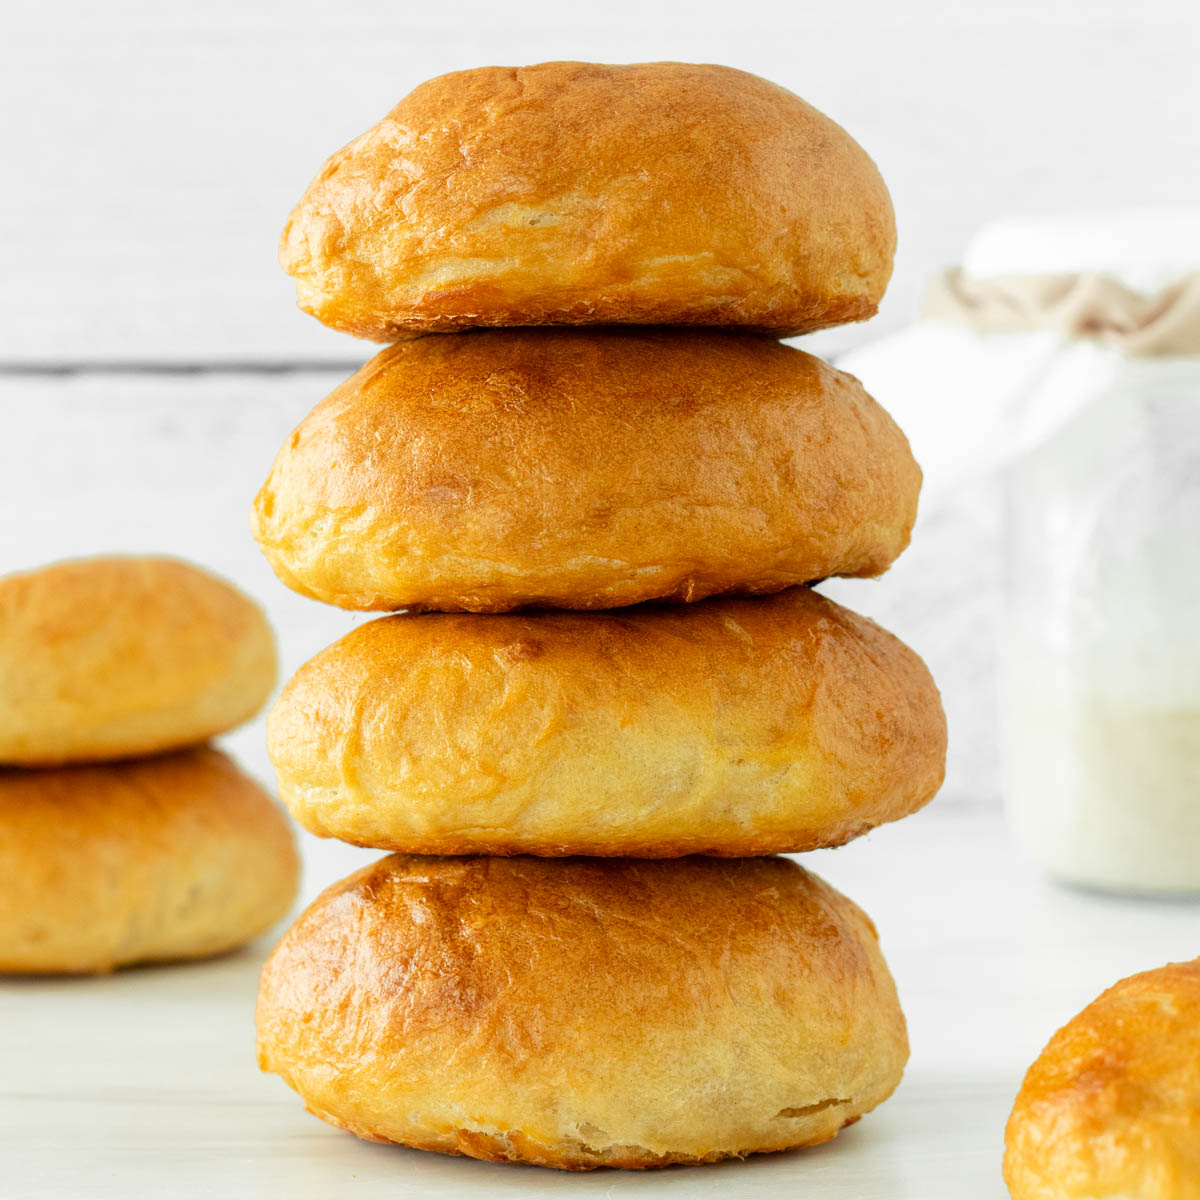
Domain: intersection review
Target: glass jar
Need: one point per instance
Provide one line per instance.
(1100, 659)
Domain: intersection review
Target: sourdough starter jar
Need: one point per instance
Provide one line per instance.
(1101, 657)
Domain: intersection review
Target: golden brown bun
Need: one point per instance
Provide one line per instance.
(584, 1012)
(107, 658)
(732, 727)
(1111, 1108)
(585, 469)
(576, 194)
(173, 857)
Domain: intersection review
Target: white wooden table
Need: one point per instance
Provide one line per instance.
(144, 1083)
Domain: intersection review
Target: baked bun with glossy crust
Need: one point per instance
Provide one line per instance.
(735, 727)
(581, 1013)
(577, 193)
(585, 469)
(1111, 1108)
(178, 856)
(117, 657)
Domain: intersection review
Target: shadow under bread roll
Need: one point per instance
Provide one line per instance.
(174, 857)
(585, 470)
(734, 727)
(580, 1013)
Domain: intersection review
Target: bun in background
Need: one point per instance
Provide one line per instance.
(179, 856)
(116, 657)
(1111, 1107)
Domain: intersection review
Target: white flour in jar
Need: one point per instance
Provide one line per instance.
(1101, 791)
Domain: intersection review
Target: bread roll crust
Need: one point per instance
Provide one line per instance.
(579, 193)
(175, 857)
(582, 1013)
(585, 469)
(733, 727)
(1111, 1107)
(116, 657)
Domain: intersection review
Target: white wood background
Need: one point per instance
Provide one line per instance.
(152, 361)
(152, 151)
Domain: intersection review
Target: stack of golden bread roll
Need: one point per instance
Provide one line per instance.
(124, 837)
(598, 490)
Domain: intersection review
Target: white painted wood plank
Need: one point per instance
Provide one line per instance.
(144, 1083)
(153, 151)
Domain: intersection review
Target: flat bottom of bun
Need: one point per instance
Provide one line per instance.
(501, 845)
(19, 967)
(512, 1146)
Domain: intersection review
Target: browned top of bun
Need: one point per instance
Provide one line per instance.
(118, 656)
(585, 469)
(584, 1012)
(1111, 1107)
(580, 193)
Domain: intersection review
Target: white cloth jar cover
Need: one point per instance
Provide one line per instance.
(1055, 378)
